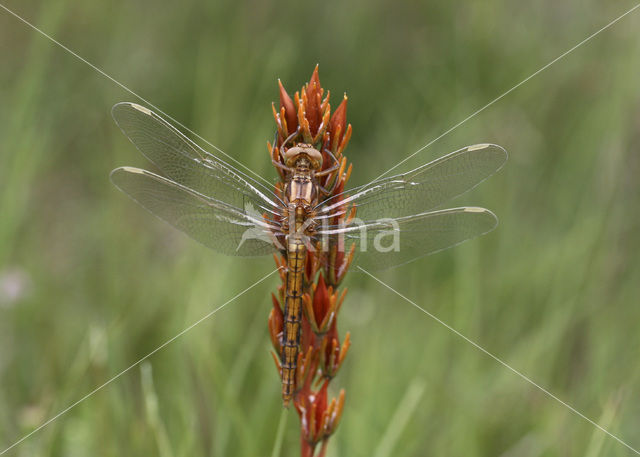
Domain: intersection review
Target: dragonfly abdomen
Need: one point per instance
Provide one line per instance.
(296, 255)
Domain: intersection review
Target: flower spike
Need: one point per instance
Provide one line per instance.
(320, 354)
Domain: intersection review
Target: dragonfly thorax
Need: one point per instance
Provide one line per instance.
(301, 189)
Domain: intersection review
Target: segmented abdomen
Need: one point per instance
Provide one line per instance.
(296, 254)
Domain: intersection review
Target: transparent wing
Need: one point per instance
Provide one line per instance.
(217, 225)
(184, 162)
(391, 242)
(422, 189)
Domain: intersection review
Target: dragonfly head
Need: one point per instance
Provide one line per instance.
(303, 151)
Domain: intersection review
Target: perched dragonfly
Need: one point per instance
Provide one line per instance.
(230, 212)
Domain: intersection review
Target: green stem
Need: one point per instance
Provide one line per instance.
(277, 446)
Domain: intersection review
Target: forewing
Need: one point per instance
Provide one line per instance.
(422, 189)
(391, 242)
(184, 162)
(215, 224)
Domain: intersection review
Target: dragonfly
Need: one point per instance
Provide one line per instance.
(226, 210)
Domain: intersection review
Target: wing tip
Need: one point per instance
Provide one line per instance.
(481, 146)
(496, 149)
(113, 176)
(129, 105)
(129, 170)
(484, 211)
(477, 209)
(115, 108)
(141, 108)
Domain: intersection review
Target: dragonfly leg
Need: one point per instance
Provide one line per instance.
(280, 165)
(330, 170)
(289, 138)
(326, 191)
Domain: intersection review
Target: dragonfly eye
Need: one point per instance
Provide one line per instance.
(292, 155)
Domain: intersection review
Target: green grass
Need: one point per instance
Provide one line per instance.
(553, 291)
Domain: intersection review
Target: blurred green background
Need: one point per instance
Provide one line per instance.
(89, 282)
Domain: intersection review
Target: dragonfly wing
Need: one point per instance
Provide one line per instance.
(215, 224)
(184, 162)
(392, 242)
(424, 188)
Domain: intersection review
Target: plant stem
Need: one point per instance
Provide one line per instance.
(277, 445)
